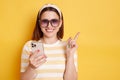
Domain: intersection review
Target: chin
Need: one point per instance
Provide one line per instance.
(49, 35)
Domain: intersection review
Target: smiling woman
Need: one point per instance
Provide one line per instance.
(58, 61)
(49, 13)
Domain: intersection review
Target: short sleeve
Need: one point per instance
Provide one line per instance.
(25, 56)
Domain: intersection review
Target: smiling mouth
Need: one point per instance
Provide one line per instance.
(49, 30)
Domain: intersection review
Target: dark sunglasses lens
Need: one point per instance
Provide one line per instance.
(44, 23)
(55, 22)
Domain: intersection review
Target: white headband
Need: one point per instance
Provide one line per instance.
(53, 6)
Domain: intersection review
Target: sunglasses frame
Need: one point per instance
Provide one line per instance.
(52, 22)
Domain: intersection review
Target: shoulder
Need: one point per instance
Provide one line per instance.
(64, 43)
(61, 44)
(27, 45)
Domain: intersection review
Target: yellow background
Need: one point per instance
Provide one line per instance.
(99, 40)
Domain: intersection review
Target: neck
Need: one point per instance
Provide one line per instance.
(49, 40)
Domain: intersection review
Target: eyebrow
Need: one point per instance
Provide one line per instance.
(48, 19)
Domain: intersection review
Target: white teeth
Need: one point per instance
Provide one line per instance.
(48, 30)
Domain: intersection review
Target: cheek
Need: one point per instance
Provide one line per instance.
(42, 29)
(58, 29)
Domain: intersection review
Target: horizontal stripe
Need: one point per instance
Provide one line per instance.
(25, 51)
(23, 69)
(50, 71)
(55, 55)
(54, 62)
(55, 48)
(51, 60)
(50, 78)
(24, 64)
(56, 58)
(58, 43)
(54, 51)
(27, 47)
(52, 67)
(56, 69)
(48, 66)
(44, 75)
(24, 55)
(24, 60)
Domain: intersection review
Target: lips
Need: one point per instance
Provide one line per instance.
(49, 30)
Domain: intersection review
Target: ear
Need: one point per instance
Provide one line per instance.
(60, 23)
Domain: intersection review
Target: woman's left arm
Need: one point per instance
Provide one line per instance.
(70, 69)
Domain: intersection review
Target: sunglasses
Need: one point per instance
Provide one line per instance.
(45, 22)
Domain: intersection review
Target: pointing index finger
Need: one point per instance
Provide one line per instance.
(76, 36)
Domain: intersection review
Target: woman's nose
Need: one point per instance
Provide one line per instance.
(49, 25)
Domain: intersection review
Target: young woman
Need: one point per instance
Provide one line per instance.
(59, 61)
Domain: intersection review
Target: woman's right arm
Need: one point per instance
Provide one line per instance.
(29, 74)
(35, 61)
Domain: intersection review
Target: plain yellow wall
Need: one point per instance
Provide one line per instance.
(99, 40)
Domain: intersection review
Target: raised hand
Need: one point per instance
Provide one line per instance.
(71, 46)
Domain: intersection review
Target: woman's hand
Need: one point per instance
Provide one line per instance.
(35, 60)
(71, 46)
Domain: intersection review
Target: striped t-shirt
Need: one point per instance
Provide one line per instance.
(54, 67)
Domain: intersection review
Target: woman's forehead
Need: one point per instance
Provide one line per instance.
(49, 14)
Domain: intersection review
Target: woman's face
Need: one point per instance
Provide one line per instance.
(50, 24)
